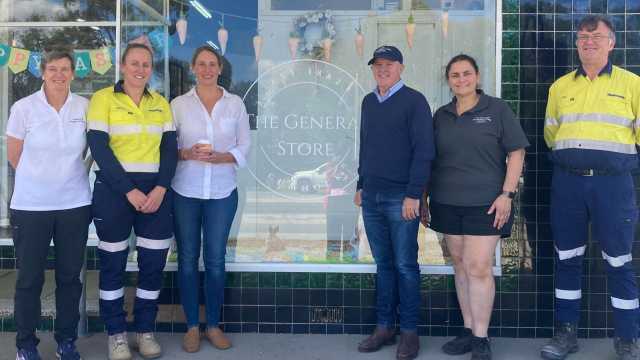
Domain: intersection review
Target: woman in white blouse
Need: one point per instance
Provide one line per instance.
(213, 141)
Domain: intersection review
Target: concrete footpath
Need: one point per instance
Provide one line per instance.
(252, 346)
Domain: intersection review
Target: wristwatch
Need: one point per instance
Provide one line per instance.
(509, 194)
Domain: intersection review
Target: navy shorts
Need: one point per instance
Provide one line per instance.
(466, 220)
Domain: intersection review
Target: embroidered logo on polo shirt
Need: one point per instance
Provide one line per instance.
(481, 119)
(155, 110)
(76, 120)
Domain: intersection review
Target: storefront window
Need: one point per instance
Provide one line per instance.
(303, 94)
(59, 10)
(300, 68)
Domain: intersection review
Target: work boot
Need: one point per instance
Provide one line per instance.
(191, 340)
(480, 348)
(119, 347)
(381, 336)
(563, 342)
(28, 354)
(409, 345)
(626, 349)
(460, 345)
(67, 350)
(148, 347)
(218, 339)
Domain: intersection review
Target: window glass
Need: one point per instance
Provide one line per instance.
(303, 95)
(323, 4)
(58, 10)
(447, 4)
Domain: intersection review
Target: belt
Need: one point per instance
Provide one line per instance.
(592, 172)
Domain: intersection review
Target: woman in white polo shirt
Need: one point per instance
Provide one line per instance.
(46, 142)
(213, 140)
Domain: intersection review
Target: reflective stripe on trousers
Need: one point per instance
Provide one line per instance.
(577, 201)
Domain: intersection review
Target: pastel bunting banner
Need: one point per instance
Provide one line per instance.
(34, 64)
(83, 64)
(156, 37)
(18, 60)
(5, 52)
(100, 60)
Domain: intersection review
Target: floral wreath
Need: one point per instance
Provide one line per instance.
(300, 24)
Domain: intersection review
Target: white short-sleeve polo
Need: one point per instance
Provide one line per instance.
(51, 173)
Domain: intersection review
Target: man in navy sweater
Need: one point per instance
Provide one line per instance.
(396, 150)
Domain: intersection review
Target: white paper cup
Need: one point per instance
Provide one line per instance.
(207, 145)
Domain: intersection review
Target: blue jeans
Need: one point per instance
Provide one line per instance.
(209, 220)
(394, 245)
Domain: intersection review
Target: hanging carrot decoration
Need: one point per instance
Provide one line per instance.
(445, 23)
(181, 27)
(223, 37)
(326, 49)
(294, 41)
(410, 28)
(359, 41)
(257, 46)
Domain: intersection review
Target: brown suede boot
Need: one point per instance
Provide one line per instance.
(381, 336)
(191, 340)
(217, 338)
(409, 346)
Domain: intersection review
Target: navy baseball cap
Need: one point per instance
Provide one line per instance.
(386, 52)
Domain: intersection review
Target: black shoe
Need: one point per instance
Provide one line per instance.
(626, 349)
(460, 345)
(480, 348)
(563, 342)
(67, 351)
(409, 346)
(381, 336)
(28, 354)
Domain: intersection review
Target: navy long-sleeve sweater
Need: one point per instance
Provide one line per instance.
(396, 143)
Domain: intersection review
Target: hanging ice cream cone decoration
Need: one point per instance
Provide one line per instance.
(181, 28)
(445, 23)
(257, 46)
(410, 28)
(326, 49)
(359, 41)
(142, 39)
(223, 37)
(294, 41)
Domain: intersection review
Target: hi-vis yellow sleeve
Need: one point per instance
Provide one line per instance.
(98, 112)
(551, 121)
(168, 125)
(635, 103)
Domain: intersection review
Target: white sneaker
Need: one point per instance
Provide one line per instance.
(119, 347)
(148, 347)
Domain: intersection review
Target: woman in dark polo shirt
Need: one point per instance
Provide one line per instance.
(480, 153)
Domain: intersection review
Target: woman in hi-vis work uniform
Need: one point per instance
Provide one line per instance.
(46, 142)
(133, 140)
(213, 138)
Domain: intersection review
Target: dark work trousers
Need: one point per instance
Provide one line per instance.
(609, 204)
(114, 217)
(32, 234)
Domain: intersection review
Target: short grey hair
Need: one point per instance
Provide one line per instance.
(57, 54)
(590, 23)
